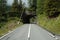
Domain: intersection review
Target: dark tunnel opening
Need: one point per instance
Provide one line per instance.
(26, 19)
(27, 15)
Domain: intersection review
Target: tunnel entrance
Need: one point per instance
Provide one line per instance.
(26, 16)
(26, 19)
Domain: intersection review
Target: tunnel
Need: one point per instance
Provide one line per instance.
(26, 19)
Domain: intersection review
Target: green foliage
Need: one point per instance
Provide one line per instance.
(51, 7)
(3, 16)
(33, 4)
(9, 26)
(17, 8)
(46, 9)
(2, 24)
(52, 25)
(40, 6)
(9, 13)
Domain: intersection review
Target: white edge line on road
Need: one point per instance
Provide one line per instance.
(9, 32)
(6, 34)
(51, 35)
(29, 31)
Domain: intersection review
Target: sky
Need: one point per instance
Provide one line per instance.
(9, 2)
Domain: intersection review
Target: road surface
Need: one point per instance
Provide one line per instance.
(29, 32)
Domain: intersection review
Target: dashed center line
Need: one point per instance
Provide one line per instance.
(29, 32)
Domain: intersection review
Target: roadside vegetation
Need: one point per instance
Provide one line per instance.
(10, 16)
(48, 15)
(10, 26)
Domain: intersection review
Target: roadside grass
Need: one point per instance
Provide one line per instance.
(52, 25)
(10, 25)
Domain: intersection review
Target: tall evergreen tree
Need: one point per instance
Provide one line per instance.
(20, 6)
(17, 8)
(3, 10)
(14, 9)
(33, 4)
(14, 6)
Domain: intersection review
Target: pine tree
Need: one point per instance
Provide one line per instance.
(20, 7)
(33, 4)
(3, 10)
(2, 6)
(16, 8)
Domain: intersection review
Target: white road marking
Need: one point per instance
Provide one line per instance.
(56, 38)
(9, 32)
(51, 35)
(6, 34)
(29, 32)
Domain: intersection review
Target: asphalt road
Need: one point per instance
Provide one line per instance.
(29, 32)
